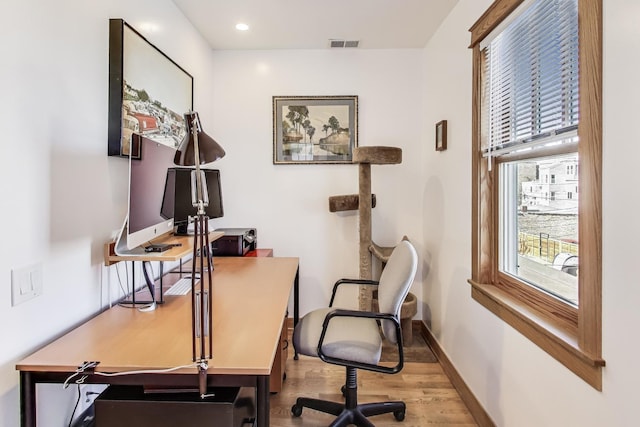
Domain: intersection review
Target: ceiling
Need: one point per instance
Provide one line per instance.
(310, 24)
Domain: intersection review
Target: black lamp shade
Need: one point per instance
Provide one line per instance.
(209, 149)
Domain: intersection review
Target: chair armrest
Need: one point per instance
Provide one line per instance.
(351, 282)
(369, 315)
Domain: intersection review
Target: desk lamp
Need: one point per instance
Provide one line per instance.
(198, 148)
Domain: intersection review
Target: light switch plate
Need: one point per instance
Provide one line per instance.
(26, 283)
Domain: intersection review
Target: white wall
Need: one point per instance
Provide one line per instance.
(517, 383)
(62, 197)
(288, 204)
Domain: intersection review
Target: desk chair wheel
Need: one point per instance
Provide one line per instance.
(343, 389)
(296, 410)
(399, 415)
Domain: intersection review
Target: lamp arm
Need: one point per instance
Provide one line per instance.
(199, 193)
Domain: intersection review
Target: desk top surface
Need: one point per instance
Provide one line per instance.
(250, 297)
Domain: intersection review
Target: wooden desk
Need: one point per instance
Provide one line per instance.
(250, 297)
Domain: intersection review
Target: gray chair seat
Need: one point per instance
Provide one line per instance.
(358, 340)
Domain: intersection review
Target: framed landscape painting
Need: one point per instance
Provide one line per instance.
(148, 93)
(314, 130)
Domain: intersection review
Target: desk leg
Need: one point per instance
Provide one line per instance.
(263, 405)
(27, 400)
(133, 282)
(161, 276)
(296, 298)
(296, 306)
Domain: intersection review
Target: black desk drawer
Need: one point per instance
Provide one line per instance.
(124, 406)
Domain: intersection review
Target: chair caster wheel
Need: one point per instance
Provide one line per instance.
(296, 410)
(399, 415)
(343, 389)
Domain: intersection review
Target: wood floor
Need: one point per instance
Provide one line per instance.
(426, 390)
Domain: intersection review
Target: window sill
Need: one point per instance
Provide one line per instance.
(557, 338)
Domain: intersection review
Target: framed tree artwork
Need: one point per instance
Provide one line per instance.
(314, 130)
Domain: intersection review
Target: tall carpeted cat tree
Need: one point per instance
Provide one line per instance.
(364, 201)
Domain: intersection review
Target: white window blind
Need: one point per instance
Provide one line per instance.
(531, 79)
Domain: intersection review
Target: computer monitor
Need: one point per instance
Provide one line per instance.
(177, 202)
(146, 190)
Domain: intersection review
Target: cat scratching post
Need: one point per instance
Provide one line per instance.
(365, 157)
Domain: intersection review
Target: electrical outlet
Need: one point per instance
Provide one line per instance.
(26, 283)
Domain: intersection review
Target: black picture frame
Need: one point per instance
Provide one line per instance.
(148, 93)
(297, 120)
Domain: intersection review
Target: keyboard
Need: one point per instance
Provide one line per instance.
(182, 286)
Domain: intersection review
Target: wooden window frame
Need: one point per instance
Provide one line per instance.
(571, 335)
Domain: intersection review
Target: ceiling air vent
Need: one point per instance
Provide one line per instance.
(335, 43)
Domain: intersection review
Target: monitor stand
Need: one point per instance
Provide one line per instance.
(121, 247)
(188, 229)
(182, 228)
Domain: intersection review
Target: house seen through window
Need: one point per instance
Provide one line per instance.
(540, 232)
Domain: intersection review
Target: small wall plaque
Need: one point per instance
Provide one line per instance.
(441, 135)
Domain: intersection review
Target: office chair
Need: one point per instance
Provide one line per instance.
(352, 339)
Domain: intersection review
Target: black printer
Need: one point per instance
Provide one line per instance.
(235, 242)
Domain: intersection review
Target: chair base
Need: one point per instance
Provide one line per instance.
(347, 416)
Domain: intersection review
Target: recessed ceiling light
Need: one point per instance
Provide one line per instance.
(242, 27)
(149, 27)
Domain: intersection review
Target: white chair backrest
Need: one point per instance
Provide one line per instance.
(395, 282)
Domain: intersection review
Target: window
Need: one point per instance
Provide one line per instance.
(536, 242)
(537, 136)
